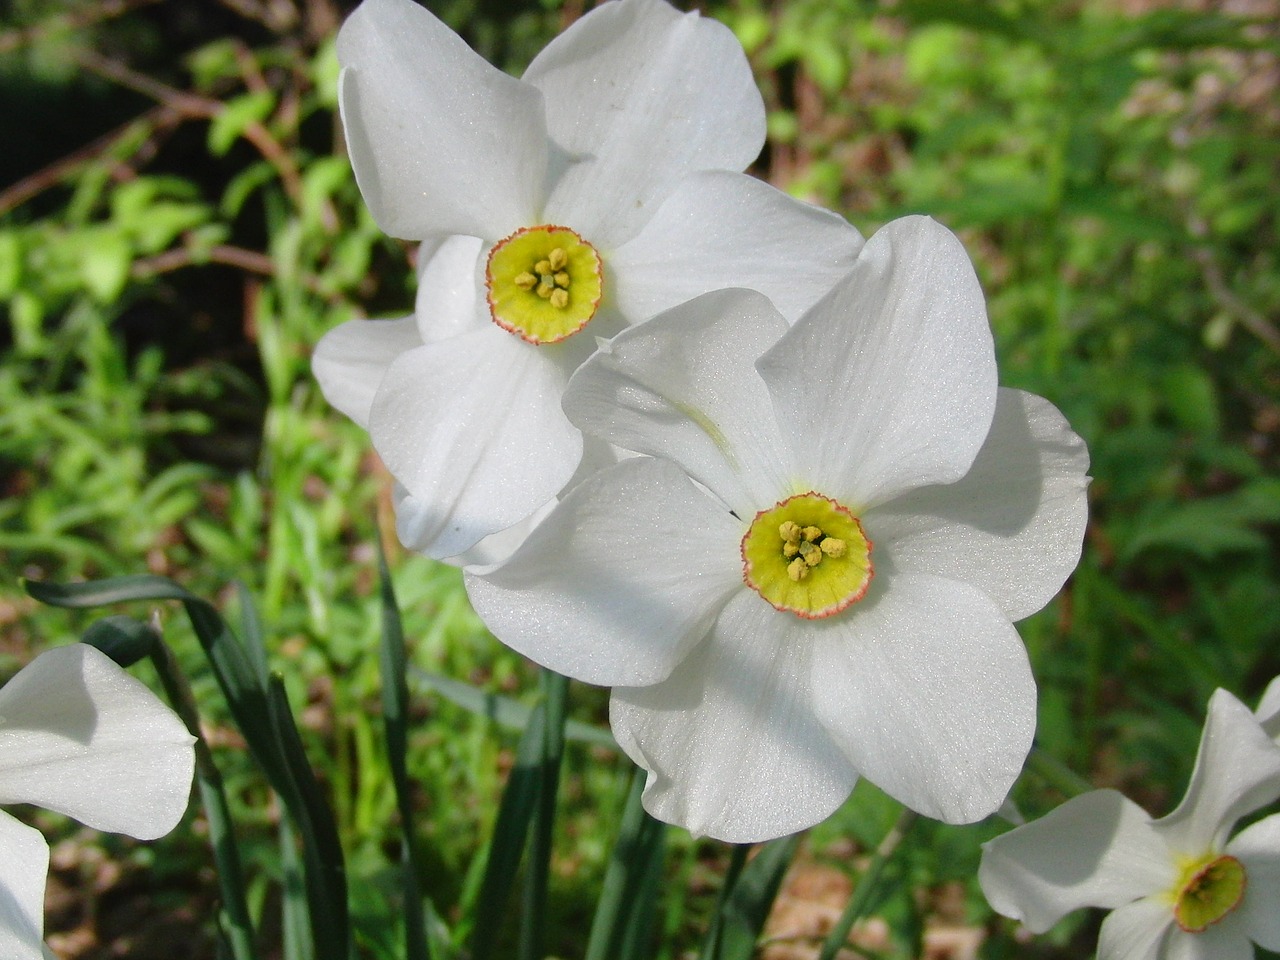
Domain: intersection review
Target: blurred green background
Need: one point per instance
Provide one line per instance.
(179, 225)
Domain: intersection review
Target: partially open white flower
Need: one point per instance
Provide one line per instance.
(811, 574)
(1268, 712)
(602, 187)
(80, 736)
(1180, 888)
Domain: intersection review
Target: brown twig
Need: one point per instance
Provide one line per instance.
(250, 261)
(1229, 301)
(196, 106)
(11, 40)
(157, 118)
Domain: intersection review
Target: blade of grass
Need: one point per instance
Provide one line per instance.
(395, 699)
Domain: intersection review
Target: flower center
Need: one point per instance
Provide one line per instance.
(544, 283)
(807, 555)
(1207, 890)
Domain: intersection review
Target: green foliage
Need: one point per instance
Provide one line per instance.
(166, 272)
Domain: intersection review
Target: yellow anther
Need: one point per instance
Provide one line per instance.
(544, 283)
(812, 555)
(833, 547)
(797, 570)
(813, 534)
(790, 550)
(789, 530)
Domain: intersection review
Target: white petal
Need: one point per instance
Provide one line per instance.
(81, 736)
(889, 383)
(640, 95)
(1258, 850)
(620, 581)
(472, 427)
(926, 686)
(24, 867)
(720, 229)
(1014, 525)
(441, 142)
(1237, 771)
(1222, 941)
(351, 359)
(1096, 850)
(1136, 932)
(684, 386)
(450, 280)
(730, 741)
(1268, 712)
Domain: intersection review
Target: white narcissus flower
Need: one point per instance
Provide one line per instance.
(80, 736)
(811, 574)
(1268, 712)
(1180, 888)
(601, 188)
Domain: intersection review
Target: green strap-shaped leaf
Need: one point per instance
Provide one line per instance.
(505, 712)
(515, 813)
(628, 894)
(395, 700)
(260, 709)
(743, 912)
(534, 915)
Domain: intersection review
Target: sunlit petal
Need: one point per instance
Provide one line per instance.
(638, 95)
(684, 386)
(81, 736)
(721, 229)
(926, 687)
(24, 867)
(1014, 524)
(889, 382)
(441, 141)
(351, 359)
(1096, 850)
(620, 581)
(730, 740)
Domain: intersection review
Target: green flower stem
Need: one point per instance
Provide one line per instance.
(860, 901)
(1057, 774)
(239, 927)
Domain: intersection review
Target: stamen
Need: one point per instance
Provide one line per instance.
(807, 555)
(833, 547)
(544, 283)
